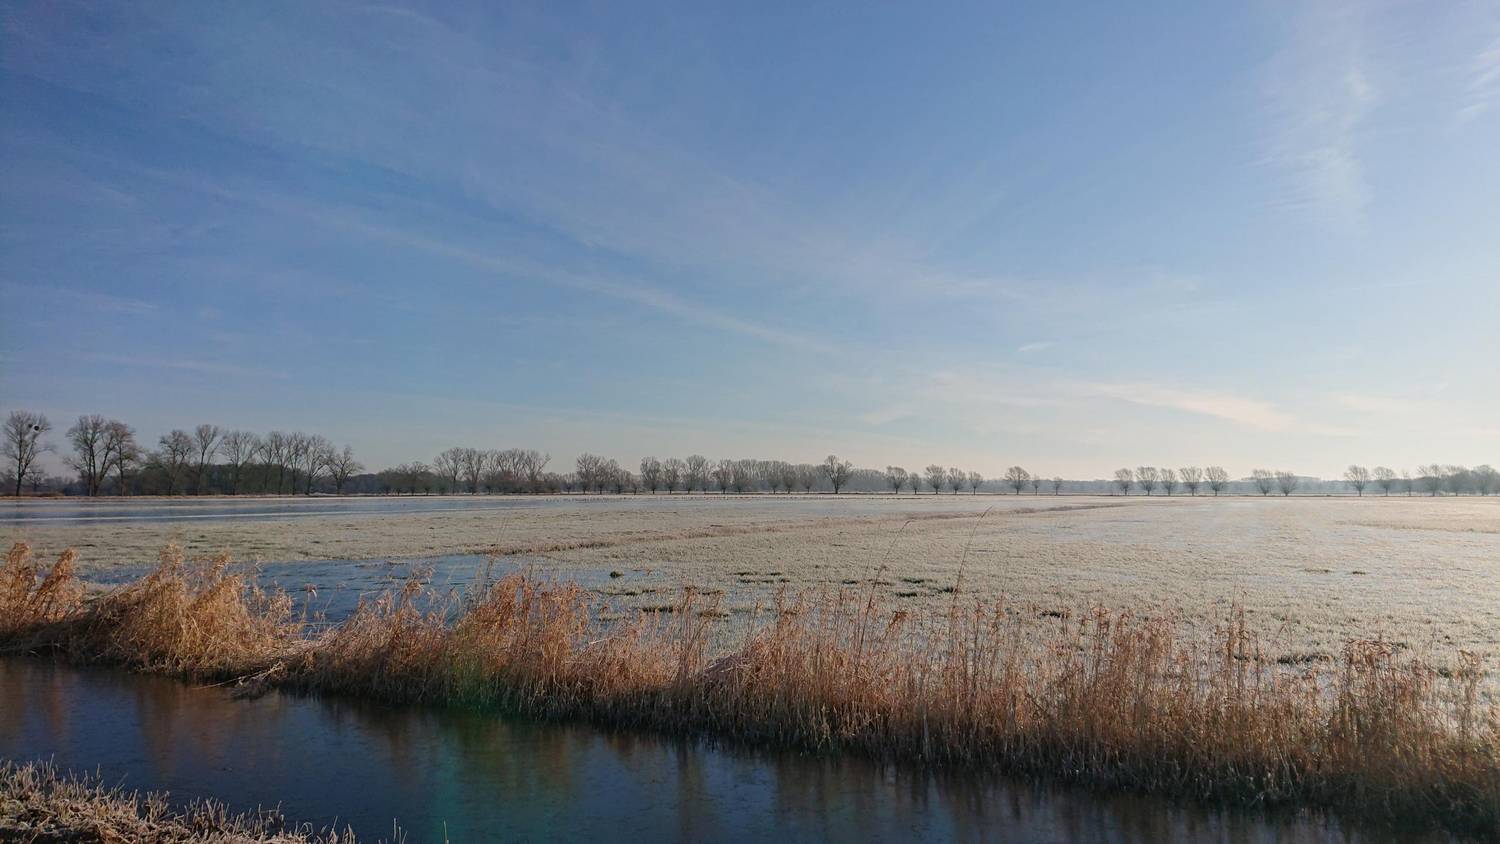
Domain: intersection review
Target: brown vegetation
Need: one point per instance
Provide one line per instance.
(38, 804)
(1097, 697)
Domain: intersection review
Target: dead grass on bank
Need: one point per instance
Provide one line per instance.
(38, 804)
(1097, 697)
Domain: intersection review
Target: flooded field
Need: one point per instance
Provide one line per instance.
(469, 776)
(1310, 573)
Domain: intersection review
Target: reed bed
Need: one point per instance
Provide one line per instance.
(1097, 697)
(40, 804)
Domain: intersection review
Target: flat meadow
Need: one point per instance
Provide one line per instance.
(1309, 574)
(1325, 652)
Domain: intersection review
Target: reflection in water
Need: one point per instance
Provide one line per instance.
(477, 776)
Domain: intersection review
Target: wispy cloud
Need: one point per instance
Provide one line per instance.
(614, 286)
(1038, 346)
(186, 365)
(82, 299)
(1252, 413)
(1320, 93)
(1483, 86)
(1372, 404)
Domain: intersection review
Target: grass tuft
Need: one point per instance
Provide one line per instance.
(39, 804)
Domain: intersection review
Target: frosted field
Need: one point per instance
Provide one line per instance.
(1310, 573)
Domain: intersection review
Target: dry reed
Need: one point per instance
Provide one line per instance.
(39, 804)
(1100, 698)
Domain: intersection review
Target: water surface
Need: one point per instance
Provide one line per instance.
(76, 511)
(476, 776)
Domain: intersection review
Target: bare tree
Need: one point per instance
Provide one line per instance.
(742, 476)
(88, 436)
(936, 477)
(534, 468)
(238, 448)
(1192, 478)
(837, 472)
(23, 444)
(671, 473)
(807, 477)
(297, 447)
(591, 468)
(896, 477)
(1458, 478)
(121, 451)
(1264, 479)
(1486, 479)
(1406, 482)
(450, 465)
(276, 451)
(976, 481)
(317, 454)
(205, 446)
(1016, 478)
(1147, 477)
(612, 476)
(1218, 478)
(696, 476)
(789, 476)
(1168, 481)
(1036, 484)
(1286, 482)
(651, 473)
(723, 473)
(472, 464)
(769, 472)
(174, 454)
(1124, 479)
(1431, 478)
(341, 467)
(502, 470)
(1358, 477)
(1385, 479)
(956, 479)
(1057, 486)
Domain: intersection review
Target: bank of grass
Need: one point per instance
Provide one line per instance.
(1101, 698)
(41, 805)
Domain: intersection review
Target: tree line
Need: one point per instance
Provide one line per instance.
(1432, 479)
(108, 460)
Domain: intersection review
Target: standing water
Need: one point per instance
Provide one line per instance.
(476, 776)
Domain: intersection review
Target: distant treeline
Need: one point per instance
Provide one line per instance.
(107, 459)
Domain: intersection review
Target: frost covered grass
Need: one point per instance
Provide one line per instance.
(40, 804)
(1310, 573)
(1088, 695)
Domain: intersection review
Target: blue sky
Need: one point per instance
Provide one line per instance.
(1072, 237)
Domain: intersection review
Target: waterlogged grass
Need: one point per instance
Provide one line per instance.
(1310, 573)
(1102, 698)
(39, 804)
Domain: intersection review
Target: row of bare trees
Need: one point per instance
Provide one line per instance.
(935, 478)
(1433, 479)
(696, 472)
(494, 470)
(1191, 478)
(106, 456)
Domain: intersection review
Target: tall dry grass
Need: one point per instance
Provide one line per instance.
(1102, 698)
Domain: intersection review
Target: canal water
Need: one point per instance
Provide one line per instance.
(478, 777)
